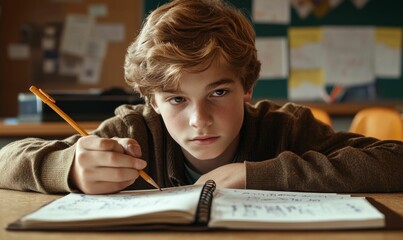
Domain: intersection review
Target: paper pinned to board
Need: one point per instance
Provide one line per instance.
(349, 55)
(98, 10)
(69, 66)
(90, 71)
(18, 51)
(388, 52)
(273, 11)
(302, 7)
(272, 52)
(306, 51)
(109, 32)
(76, 34)
(96, 48)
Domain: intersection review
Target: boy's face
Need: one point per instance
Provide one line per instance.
(204, 116)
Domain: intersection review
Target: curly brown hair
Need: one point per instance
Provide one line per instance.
(191, 35)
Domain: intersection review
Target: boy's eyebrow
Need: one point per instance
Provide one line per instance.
(171, 90)
(220, 82)
(209, 86)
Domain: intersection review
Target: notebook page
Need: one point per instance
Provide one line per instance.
(274, 196)
(81, 207)
(259, 210)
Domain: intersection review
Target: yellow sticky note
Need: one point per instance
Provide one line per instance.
(299, 37)
(312, 76)
(391, 37)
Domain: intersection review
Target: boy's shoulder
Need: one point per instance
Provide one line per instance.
(269, 106)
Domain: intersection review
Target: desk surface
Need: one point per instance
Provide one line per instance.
(45, 129)
(14, 204)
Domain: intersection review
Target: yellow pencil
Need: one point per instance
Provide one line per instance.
(51, 103)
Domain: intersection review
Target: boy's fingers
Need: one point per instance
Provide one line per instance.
(131, 146)
(106, 187)
(100, 144)
(107, 174)
(120, 145)
(117, 160)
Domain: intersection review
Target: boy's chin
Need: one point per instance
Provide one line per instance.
(203, 154)
(205, 157)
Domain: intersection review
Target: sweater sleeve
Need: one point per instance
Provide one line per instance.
(314, 158)
(39, 165)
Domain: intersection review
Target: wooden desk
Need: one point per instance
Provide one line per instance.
(42, 129)
(14, 204)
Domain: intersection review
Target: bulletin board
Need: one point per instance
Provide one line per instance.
(376, 13)
(23, 24)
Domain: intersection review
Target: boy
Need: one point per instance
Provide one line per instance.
(195, 64)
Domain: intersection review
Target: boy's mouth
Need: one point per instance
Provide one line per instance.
(204, 140)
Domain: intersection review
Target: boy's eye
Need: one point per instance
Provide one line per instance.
(176, 100)
(219, 92)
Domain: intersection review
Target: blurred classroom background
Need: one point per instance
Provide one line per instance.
(336, 56)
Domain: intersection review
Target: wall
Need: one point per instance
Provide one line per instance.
(17, 75)
(374, 13)
(385, 13)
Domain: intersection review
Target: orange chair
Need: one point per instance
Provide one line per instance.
(321, 115)
(378, 122)
(401, 116)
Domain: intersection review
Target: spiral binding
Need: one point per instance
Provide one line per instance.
(206, 198)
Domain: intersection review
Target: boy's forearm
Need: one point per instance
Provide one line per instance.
(36, 165)
(348, 170)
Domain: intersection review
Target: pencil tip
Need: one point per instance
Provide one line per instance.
(152, 182)
(149, 179)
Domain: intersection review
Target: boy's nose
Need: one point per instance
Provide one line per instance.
(200, 117)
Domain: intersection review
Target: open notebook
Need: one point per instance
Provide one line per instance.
(203, 207)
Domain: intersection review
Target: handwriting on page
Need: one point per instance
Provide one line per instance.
(288, 210)
(273, 196)
(250, 205)
(81, 206)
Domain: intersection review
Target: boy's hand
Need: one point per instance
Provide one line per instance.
(103, 165)
(232, 175)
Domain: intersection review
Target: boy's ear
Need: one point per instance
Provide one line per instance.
(154, 106)
(248, 95)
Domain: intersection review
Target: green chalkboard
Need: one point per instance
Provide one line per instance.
(385, 13)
